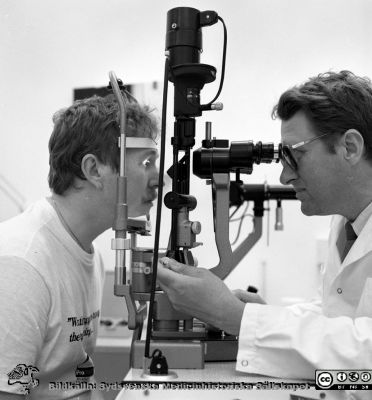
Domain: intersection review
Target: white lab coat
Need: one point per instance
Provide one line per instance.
(332, 333)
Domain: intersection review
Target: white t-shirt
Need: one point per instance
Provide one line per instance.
(50, 300)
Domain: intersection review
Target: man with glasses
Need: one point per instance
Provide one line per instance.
(326, 134)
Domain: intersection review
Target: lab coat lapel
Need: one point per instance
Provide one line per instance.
(333, 264)
(362, 245)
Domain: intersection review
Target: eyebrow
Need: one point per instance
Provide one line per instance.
(151, 152)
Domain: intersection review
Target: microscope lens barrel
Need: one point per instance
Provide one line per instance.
(239, 156)
(265, 152)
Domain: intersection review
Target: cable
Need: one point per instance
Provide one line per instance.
(243, 216)
(158, 210)
(234, 212)
(222, 79)
(241, 223)
(223, 63)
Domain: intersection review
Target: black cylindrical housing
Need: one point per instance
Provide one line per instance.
(264, 152)
(222, 160)
(177, 201)
(239, 156)
(184, 37)
(184, 44)
(240, 192)
(265, 192)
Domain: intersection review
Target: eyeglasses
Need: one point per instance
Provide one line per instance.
(287, 154)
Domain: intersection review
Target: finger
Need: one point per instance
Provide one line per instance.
(164, 262)
(176, 266)
(244, 296)
(247, 297)
(238, 293)
(165, 276)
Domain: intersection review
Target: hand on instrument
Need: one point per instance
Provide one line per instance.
(201, 294)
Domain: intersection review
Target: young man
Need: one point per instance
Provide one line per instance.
(327, 157)
(51, 273)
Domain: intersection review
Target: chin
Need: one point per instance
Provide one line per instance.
(135, 214)
(147, 207)
(140, 209)
(139, 213)
(308, 210)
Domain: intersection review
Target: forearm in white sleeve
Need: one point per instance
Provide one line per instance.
(314, 306)
(277, 341)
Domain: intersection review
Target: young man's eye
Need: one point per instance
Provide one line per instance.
(146, 162)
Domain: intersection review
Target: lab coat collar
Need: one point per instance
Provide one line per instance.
(362, 244)
(362, 219)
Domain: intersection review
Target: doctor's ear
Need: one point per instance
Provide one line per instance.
(91, 168)
(353, 145)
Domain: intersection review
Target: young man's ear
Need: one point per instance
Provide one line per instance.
(353, 144)
(90, 166)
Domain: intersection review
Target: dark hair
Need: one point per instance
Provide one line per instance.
(91, 126)
(333, 102)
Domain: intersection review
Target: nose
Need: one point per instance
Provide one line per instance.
(154, 178)
(287, 175)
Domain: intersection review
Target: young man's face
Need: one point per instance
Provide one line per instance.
(143, 178)
(319, 180)
(142, 183)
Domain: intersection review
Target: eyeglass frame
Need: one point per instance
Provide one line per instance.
(287, 155)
